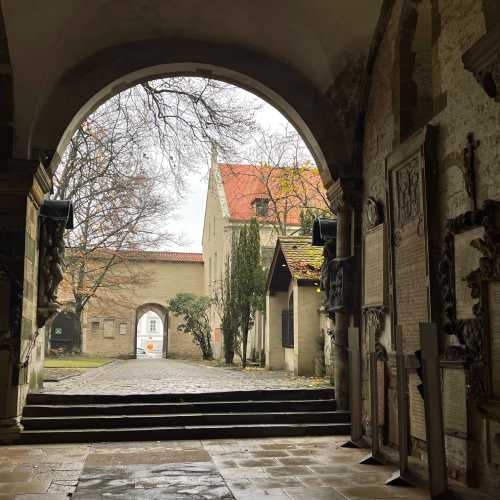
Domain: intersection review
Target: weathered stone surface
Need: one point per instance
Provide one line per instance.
(148, 376)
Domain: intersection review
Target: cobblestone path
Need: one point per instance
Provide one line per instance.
(146, 376)
(311, 468)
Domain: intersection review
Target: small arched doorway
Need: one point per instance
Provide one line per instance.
(151, 331)
(64, 334)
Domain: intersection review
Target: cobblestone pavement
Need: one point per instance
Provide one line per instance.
(246, 469)
(175, 376)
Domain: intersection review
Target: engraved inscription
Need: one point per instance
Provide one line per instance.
(494, 309)
(466, 260)
(455, 402)
(381, 389)
(411, 286)
(417, 411)
(374, 267)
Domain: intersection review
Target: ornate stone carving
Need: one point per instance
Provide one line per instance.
(55, 217)
(345, 194)
(446, 277)
(329, 253)
(470, 168)
(470, 332)
(373, 213)
(374, 324)
(336, 282)
(408, 189)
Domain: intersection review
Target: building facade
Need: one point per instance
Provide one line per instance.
(121, 322)
(236, 194)
(294, 339)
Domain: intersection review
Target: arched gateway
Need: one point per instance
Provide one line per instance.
(151, 325)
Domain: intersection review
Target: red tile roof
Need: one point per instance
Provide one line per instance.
(150, 255)
(245, 183)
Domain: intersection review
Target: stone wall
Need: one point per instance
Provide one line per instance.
(459, 107)
(160, 281)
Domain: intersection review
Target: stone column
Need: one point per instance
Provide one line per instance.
(23, 184)
(344, 196)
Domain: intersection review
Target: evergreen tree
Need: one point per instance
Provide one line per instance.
(227, 305)
(248, 281)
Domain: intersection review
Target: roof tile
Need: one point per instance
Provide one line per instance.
(245, 183)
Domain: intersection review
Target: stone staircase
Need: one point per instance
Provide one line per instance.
(72, 418)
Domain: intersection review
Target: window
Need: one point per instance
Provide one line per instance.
(94, 326)
(152, 325)
(108, 326)
(261, 206)
(287, 328)
(123, 328)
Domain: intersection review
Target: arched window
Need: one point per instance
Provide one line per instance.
(416, 90)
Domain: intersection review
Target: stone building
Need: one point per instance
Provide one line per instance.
(110, 320)
(236, 194)
(294, 340)
(398, 102)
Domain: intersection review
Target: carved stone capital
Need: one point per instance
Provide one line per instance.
(374, 318)
(345, 194)
(483, 61)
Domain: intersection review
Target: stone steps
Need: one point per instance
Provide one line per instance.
(65, 418)
(40, 398)
(182, 419)
(181, 433)
(66, 410)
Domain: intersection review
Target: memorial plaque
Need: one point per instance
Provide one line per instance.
(417, 410)
(494, 311)
(466, 260)
(381, 392)
(374, 267)
(455, 402)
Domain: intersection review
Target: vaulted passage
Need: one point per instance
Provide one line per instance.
(397, 100)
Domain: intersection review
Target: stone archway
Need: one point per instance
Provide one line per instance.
(162, 312)
(83, 90)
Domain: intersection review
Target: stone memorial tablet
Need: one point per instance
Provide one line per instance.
(374, 267)
(466, 261)
(417, 411)
(455, 402)
(381, 392)
(494, 310)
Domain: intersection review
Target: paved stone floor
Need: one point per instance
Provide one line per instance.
(175, 376)
(279, 468)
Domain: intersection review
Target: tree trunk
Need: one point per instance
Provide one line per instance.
(77, 344)
(245, 342)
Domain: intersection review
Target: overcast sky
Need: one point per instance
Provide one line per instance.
(189, 220)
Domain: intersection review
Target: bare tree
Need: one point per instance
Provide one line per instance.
(124, 171)
(288, 182)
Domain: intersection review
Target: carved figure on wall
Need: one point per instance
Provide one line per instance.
(56, 216)
(374, 324)
(329, 253)
(334, 284)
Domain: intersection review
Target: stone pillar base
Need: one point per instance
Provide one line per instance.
(10, 429)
